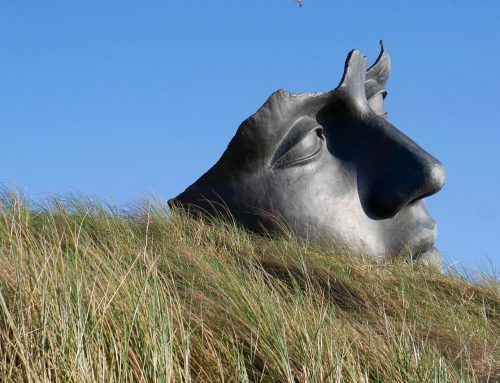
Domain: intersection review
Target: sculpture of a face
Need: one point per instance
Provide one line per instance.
(332, 167)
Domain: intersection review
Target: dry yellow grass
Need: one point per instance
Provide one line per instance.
(91, 294)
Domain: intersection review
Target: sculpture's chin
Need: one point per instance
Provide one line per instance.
(431, 257)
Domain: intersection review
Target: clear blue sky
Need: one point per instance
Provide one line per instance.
(128, 99)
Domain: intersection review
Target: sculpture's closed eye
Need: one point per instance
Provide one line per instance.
(302, 149)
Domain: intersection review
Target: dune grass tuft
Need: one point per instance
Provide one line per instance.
(89, 293)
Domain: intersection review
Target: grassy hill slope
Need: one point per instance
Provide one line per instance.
(89, 294)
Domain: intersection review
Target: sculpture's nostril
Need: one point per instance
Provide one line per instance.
(420, 178)
(434, 180)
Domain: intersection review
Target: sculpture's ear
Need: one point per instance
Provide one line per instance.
(353, 80)
(378, 74)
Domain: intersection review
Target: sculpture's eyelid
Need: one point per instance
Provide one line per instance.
(300, 130)
(382, 92)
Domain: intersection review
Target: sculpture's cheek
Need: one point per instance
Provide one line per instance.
(321, 202)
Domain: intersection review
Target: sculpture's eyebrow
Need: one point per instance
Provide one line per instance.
(301, 128)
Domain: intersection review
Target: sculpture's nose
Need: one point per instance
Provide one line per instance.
(406, 174)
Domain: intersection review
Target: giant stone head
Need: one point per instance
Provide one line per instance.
(331, 166)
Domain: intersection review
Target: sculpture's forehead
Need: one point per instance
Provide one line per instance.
(259, 136)
(273, 120)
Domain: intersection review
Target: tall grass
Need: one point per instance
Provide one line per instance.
(92, 294)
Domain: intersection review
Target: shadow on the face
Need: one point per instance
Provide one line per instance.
(391, 170)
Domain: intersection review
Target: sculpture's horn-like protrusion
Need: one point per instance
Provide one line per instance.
(379, 71)
(353, 80)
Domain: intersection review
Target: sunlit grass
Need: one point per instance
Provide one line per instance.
(89, 293)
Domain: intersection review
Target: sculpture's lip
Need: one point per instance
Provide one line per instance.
(430, 257)
(424, 239)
